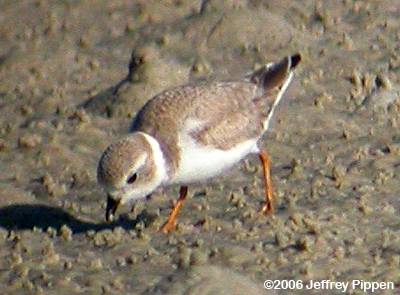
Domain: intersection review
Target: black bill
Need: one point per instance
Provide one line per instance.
(112, 206)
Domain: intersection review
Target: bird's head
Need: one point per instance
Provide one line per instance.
(130, 169)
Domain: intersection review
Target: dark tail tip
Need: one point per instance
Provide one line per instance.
(295, 60)
(275, 74)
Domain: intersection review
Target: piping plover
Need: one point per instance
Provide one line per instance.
(192, 133)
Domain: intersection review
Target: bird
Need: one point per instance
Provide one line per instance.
(191, 133)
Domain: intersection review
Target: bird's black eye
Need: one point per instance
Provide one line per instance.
(131, 179)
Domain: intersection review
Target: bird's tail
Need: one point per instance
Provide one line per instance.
(275, 74)
(274, 79)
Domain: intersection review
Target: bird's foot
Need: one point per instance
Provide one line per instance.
(267, 209)
(168, 227)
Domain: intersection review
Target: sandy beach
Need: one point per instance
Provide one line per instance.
(73, 74)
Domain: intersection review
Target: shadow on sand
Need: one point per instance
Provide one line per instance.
(26, 217)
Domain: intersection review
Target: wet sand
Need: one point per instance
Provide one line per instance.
(72, 76)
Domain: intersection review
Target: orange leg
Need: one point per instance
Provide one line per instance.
(170, 224)
(269, 198)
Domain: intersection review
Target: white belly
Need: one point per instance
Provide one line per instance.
(202, 162)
